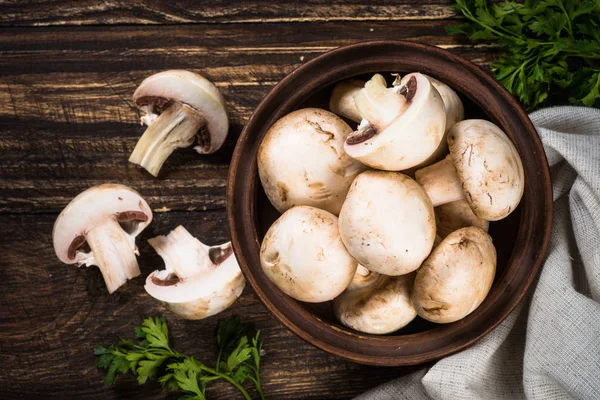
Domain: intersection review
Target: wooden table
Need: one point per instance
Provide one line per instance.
(67, 122)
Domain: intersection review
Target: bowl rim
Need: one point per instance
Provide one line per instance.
(352, 345)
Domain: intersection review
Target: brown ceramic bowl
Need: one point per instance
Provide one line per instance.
(521, 239)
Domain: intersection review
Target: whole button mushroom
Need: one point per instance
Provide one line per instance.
(303, 255)
(483, 168)
(383, 306)
(178, 106)
(108, 217)
(342, 99)
(301, 161)
(402, 126)
(458, 214)
(198, 281)
(363, 278)
(387, 222)
(456, 277)
(455, 113)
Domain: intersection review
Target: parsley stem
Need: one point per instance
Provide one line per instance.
(226, 377)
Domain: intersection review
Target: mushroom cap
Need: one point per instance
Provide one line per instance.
(455, 110)
(201, 296)
(94, 207)
(456, 277)
(303, 255)
(410, 138)
(363, 278)
(342, 102)
(455, 215)
(381, 308)
(387, 222)
(489, 167)
(301, 161)
(191, 89)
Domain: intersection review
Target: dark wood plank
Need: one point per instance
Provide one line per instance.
(53, 315)
(67, 121)
(93, 12)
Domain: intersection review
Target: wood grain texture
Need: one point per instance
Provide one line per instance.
(92, 12)
(67, 123)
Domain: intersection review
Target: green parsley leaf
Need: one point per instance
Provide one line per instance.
(550, 47)
(152, 357)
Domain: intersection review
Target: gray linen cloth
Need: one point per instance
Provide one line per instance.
(549, 347)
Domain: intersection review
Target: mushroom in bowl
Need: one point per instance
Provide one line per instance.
(521, 239)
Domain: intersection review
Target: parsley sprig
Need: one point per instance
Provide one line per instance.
(152, 357)
(552, 46)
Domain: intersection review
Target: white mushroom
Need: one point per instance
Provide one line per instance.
(301, 161)
(402, 126)
(363, 278)
(483, 167)
(108, 217)
(342, 99)
(382, 307)
(456, 277)
(387, 222)
(198, 280)
(458, 214)
(178, 106)
(303, 255)
(455, 112)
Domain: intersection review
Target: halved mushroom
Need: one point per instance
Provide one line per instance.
(387, 222)
(382, 307)
(483, 167)
(458, 214)
(178, 106)
(342, 99)
(301, 161)
(303, 255)
(108, 217)
(402, 126)
(198, 280)
(456, 277)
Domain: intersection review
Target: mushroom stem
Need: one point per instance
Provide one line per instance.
(175, 127)
(113, 251)
(440, 182)
(184, 255)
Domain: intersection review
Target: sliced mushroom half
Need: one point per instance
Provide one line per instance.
(483, 168)
(178, 106)
(198, 280)
(402, 126)
(108, 217)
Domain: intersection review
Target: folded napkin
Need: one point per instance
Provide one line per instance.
(549, 347)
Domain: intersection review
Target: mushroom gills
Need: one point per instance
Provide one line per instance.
(198, 280)
(113, 251)
(174, 128)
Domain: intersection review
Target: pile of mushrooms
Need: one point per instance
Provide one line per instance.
(198, 280)
(387, 218)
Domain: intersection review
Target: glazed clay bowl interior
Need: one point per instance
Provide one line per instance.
(521, 239)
